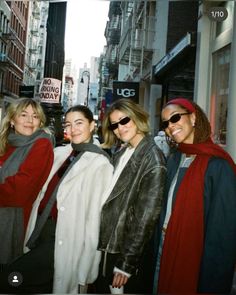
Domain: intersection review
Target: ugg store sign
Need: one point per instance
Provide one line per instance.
(124, 89)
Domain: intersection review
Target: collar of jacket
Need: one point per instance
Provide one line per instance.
(140, 150)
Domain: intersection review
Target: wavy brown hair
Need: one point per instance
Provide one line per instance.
(134, 111)
(202, 125)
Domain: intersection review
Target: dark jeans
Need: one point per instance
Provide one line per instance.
(36, 266)
(139, 283)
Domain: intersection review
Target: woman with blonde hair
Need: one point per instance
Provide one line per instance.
(133, 201)
(26, 157)
(61, 239)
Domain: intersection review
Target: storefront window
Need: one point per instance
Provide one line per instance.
(219, 97)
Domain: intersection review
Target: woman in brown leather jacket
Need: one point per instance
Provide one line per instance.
(133, 201)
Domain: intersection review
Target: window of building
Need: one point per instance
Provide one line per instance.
(220, 91)
(221, 51)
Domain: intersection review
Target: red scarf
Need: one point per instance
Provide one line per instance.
(183, 244)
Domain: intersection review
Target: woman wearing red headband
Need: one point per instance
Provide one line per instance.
(197, 233)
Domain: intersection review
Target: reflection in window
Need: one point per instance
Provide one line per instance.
(219, 96)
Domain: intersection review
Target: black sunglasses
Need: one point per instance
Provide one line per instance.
(173, 119)
(123, 121)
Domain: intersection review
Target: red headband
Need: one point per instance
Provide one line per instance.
(183, 102)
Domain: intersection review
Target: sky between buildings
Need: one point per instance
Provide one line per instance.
(85, 27)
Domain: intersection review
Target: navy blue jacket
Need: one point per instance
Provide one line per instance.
(219, 252)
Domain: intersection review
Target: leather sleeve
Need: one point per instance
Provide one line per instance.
(142, 216)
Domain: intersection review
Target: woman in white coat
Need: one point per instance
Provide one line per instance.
(67, 212)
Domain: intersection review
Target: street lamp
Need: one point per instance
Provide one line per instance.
(86, 73)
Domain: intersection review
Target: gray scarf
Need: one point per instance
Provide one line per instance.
(80, 148)
(11, 218)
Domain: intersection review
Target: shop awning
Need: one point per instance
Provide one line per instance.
(174, 56)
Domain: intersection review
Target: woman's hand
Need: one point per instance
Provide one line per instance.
(119, 280)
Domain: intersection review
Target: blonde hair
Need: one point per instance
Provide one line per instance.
(12, 111)
(134, 111)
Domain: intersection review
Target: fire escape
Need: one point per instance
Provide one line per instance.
(5, 60)
(137, 36)
(112, 34)
(33, 38)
